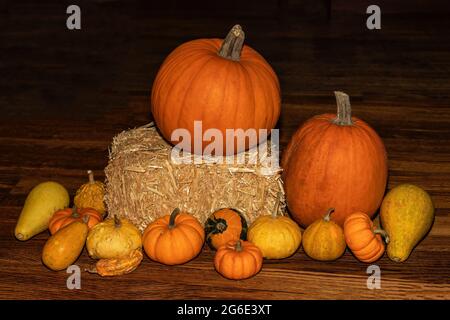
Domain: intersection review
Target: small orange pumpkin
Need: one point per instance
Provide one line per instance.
(62, 218)
(238, 260)
(174, 239)
(363, 238)
(225, 225)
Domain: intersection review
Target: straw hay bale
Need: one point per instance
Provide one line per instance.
(144, 183)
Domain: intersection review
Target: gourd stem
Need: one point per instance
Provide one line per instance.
(238, 247)
(232, 45)
(344, 109)
(86, 218)
(277, 205)
(327, 216)
(173, 215)
(75, 213)
(383, 233)
(91, 176)
(221, 226)
(117, 223)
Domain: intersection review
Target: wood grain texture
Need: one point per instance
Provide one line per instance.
(65, 94)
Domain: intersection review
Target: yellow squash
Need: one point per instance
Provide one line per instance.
(64, 247)
(276, 236)
(407, 214)
(41, 203)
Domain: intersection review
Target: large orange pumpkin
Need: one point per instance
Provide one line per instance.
(334, 161)
(223, 83)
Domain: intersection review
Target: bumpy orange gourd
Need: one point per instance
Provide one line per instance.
(174, 239)
(91, 194)
(238, 260)
(225, 225)
(363, 238)
(324, 240)
(334, 161)
(118, 266)
(222, 83)
(62, 218)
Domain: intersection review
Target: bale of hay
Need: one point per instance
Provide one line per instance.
(143, 182)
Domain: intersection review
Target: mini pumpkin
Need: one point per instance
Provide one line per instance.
(91, 194)
(174, 239)
(225, 225)
(62, 218)
(113, 238)
(277, 236)
(324, 239)
(363, 238)
(238, 260)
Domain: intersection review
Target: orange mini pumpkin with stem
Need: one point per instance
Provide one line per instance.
(64, 217)
(174, 239)
(363, 238)
(225, 225)
(238, 260)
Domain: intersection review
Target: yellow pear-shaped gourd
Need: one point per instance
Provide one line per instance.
(91, 195)
(407, 214)
(42, 201)
(113, 238)
(64, 247)
(324, 239)
(276, 236)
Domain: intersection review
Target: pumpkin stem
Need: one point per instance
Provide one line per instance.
(75, 213)
(232, 45)
(238, 247)
(344, 109)
(276, 206)
(117, 223)
(173, 215)
(327, 216)
(383, 234)
(91, 176)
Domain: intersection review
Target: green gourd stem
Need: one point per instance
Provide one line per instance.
(276, 206)
(75, 213)
(232, 45)
(327, 216)
(221, 226)
(91, 176)
(344, 109)
(117, 222)
(173, 216)
(383, 233)
(238, 247)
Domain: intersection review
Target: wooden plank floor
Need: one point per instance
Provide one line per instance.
(64, 95)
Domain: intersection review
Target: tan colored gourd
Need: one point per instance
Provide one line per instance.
(324, 239)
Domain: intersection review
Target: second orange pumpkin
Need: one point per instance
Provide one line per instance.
(334, 161)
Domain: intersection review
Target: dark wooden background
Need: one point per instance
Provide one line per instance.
(65, 94)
